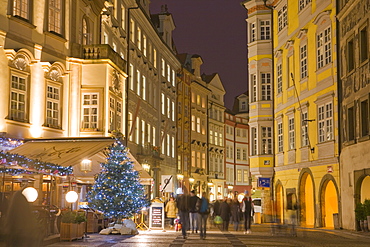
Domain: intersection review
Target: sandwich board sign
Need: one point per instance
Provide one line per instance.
(156, 216)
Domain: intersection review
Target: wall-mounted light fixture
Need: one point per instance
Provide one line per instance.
(86, 165)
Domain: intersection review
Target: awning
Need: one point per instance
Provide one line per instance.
(71, 151)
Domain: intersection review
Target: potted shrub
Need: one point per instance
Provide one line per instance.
(367, 212)
(360, 215)
(72, 225)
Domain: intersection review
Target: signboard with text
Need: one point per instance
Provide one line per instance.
(156, 215)
(264, 182)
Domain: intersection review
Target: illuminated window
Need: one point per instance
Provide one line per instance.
(90, 111)
(266, 140)
(55, 16)
(18, 101)
(304, 129)
(53, 106)
(325, 122)
(21, 8)
(85, 32)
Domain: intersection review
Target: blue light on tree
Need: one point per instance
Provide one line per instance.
(117, 191)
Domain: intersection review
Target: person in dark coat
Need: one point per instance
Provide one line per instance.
(194, 200)
(20, 227)
(235, 213)
(225, 215)
(183, 207)
(247, 209)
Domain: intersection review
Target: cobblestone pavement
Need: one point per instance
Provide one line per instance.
(261, 235)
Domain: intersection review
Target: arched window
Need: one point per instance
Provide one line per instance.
(85, 32)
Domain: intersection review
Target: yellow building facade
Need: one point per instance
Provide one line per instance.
(306, 182)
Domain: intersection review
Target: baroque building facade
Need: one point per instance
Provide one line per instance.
(87, 69)
(354, 89)
(305, 102)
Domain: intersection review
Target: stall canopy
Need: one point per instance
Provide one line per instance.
(72, 151)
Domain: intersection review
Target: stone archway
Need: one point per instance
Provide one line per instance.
(279, 204)
(306, 199)
(329, 201)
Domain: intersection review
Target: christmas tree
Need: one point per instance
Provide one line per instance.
(117, 191)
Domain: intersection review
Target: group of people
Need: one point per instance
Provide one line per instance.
(194, 211)
(235, 212)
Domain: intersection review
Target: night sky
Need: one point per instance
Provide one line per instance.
(215, 30)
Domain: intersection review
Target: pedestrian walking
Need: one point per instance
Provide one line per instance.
(247, 209)
(194, 199)
(235, 213)
(203, 216)
(225, 215)
(171, 211)
(183, 207)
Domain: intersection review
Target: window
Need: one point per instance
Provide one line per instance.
(85, 32)
(254, 141)
(304, 129)
(131, 77)
(303, 59)
(227, 152)
(266, 140)
(364, 44)
(325, 123)
(163, 104)
(239, 175)
(155, 58)
(364, 118)
(115, 114)
(280, 137)
(105, 38)
(138, 43)
(266, 86)
(18, 99)
(198, 124)
(324, 48)
(253, 32)
(350, 56)
(144, 89)
(193, 123)
(243, 107)
(55, 16)
(123, 17)
(163, 67)
(168, 73)
(168, 107)
(245, 176)
(53, 106)
(244, 154)
(291, 134)
(90, 111)
(173, 110)
(279, 78)
(129, 125)
(351, 123)
(238, 154)
(21, 8)
(265, 30)
(282, 17)
(303, 4)
(132, 30)
(203, 160)
(138, 86)
(144, 45)
(254, 88)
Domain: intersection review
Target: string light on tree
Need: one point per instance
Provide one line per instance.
(117, 191)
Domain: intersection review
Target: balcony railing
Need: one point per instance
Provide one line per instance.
(103, 51)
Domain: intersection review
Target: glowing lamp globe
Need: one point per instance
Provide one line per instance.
(71, 196)
(30, 193)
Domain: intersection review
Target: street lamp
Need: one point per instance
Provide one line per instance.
(71, 197)
(30, 193)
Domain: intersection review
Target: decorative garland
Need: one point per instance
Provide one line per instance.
(16, 164)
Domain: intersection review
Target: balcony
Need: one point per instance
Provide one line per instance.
(103, 51)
